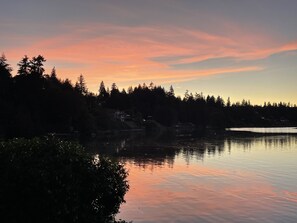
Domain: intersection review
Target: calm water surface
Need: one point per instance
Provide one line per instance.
(266, 130)
(227, 180)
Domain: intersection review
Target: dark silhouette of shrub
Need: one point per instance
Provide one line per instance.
(49, 180)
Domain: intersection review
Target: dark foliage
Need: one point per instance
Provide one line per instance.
(34, 103)
(48, 180)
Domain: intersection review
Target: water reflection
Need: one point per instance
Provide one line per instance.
(202, 180)
(278, 130)
(141, 151)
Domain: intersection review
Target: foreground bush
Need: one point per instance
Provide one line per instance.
(48, 180)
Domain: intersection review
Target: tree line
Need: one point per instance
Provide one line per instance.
(36, 103)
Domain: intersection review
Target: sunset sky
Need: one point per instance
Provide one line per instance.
(236, 48)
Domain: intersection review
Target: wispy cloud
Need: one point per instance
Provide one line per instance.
(141, 53)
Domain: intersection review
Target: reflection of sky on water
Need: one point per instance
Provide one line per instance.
(227, 180)
(207, 195)
(266, 130)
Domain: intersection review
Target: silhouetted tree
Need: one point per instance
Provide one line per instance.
(24, 66)
(171, 92)
(151, 86)
(228, 102)
(53, 73)
(187, 95)
(36, 65)
(103, 95)
(3, 63)
(102, 89)
(5, 75)
(6, 102)
(220, 102)
(130, 90)
(34, 103)
(80, 85)
(114, 87)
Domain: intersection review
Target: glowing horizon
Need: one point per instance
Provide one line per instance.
(245, 53)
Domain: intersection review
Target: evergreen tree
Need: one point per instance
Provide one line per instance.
(130, 90)
(53, 73)
(103, 95)
(228, 102)
(220, 102)
(5, 68)
(67, 85)
(123, 92)
(5, 76)
(187, 95)
(80, 85)
(151, 86)
(114, 89)
(36, 65)
(24, 66)
(102, 90)
(114, 86)
(170, 93)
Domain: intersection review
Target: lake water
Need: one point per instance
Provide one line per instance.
(278, 130)
(224, 180)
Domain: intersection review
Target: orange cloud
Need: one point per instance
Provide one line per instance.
(123, 54)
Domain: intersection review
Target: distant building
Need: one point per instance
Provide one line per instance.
(122, 116)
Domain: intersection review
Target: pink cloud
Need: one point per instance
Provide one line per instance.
(120, 53)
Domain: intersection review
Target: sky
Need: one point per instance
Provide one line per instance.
(232, 48)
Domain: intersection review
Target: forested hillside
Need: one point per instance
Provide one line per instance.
(34, 102)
